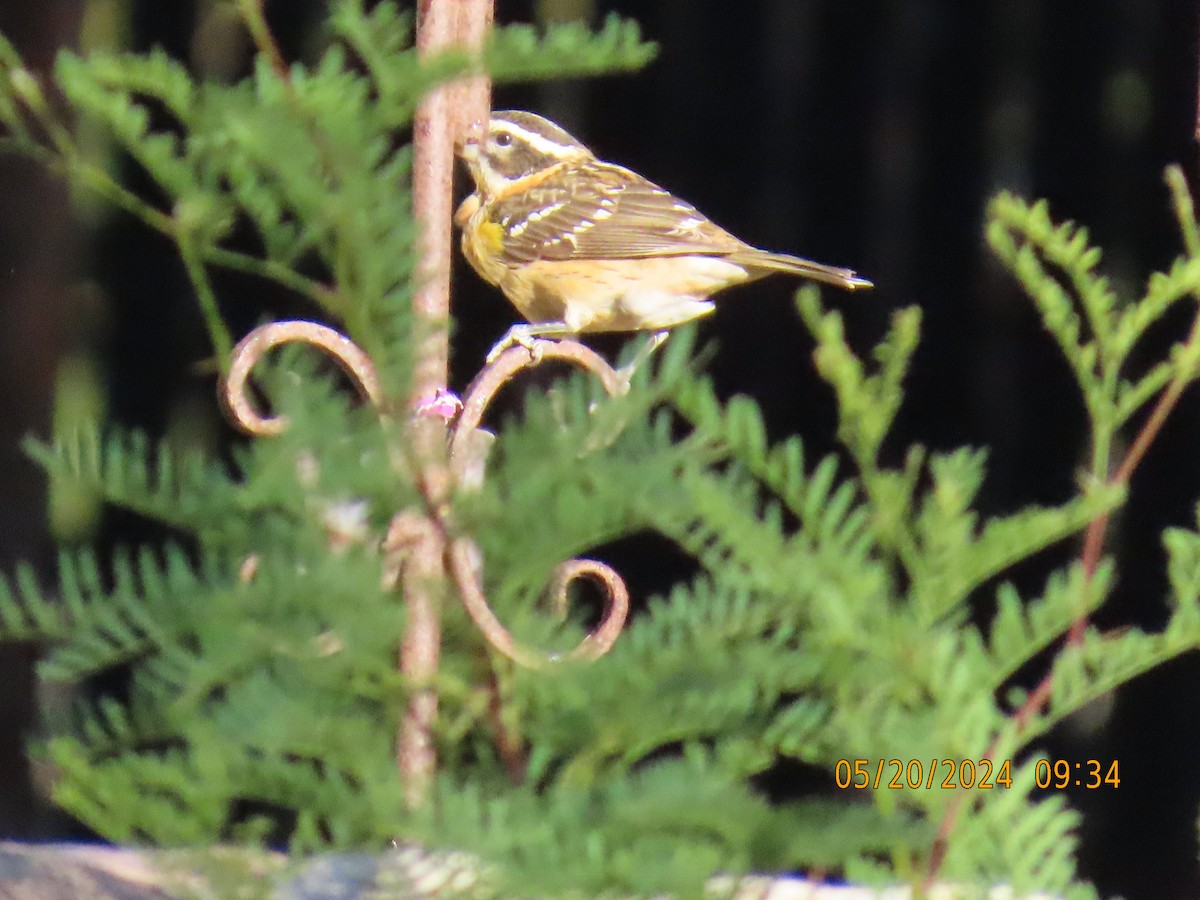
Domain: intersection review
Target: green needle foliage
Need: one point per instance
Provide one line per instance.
(833, 615)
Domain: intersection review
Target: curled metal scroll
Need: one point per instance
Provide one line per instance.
(250, 349)
(462, 554)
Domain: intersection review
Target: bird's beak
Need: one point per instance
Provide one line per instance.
(469, 139)
(469, 151)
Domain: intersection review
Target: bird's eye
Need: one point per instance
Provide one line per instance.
(504, 139)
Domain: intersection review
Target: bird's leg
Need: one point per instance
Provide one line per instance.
(525, 335)
(644, 352)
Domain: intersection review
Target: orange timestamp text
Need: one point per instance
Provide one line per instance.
(1087, 773)
(947, 774)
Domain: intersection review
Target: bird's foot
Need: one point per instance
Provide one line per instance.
(519, 335)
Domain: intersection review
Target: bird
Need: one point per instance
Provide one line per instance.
(581, 245)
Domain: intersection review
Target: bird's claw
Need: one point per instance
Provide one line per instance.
(517, 336)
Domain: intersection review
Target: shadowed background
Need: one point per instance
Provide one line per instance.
(867, 134)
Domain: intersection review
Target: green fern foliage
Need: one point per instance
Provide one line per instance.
(1097, 331)
(841, 619)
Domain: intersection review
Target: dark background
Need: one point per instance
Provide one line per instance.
(868, 134)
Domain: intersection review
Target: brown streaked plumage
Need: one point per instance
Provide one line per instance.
(578, 244)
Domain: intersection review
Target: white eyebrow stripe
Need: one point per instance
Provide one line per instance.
(538, 142)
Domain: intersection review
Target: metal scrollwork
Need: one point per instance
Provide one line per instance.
(463, 558)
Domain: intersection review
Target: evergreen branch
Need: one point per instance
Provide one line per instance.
(256, 22)
(1186, 362)
(1039, 840)
(107, 188)
(382, 39)
(96, 789)
(159, 153)
(1183, 571)
(218, 332)
(1132, 397)
(518, 53)
(1066, 247)
(957, 558)
(154, 74)
(1021, 630)
(867, 407)
(281, 273)
(731, 535)
(127, 471)
(513, 53)
(27, 93)
(26, 614)
(10, 113)
(24, 146)
(10, 59)
(1089, 665)
(66, 161)
(827, 511)
(1163, 291)
(106, 625)
(61, 154)
(867, 403)
(1185, 210)
(1054, 305)
(1098, 663)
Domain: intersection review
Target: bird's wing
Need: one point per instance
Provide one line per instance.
(602, 211)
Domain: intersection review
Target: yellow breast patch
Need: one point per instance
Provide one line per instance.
(492, 236)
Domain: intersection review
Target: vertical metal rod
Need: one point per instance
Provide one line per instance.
(439, 122)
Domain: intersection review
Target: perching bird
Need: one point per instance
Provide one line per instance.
(578, 244)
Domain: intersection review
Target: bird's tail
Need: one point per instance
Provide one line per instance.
(806, 268)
